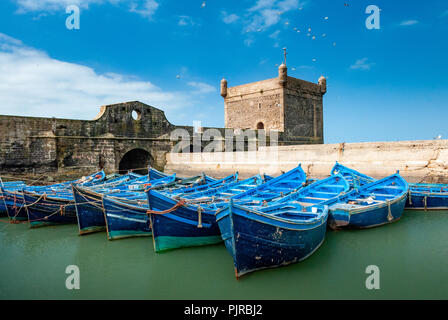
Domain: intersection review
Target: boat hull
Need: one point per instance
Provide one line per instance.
(257, 243)
(181, 227)
(368, 217)
(44, 211)
(14, 205)
(125, 221)
(427, 201)
(89, 211)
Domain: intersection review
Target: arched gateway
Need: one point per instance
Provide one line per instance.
(136, 160)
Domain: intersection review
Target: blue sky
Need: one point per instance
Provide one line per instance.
(383, 85)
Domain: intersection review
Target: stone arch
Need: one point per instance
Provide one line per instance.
(136, 160)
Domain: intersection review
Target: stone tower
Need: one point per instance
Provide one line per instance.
(291, 106)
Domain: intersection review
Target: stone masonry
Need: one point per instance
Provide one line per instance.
(291, 106)
(117, 141)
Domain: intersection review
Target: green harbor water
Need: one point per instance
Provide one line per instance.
(411, 254)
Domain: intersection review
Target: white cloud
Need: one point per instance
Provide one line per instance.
(361, 64)
(229, 18)
(201, 87)
(34, 84)
(274, 35)
(407, 23)
(145, 8)
(185, 21)
(266, 13)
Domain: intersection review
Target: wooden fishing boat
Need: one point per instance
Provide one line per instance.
(89, 210)
(427, 196)
(274, 188)
(321, 192)
(286, 231)
(55, 204)
(15, 203)
(155, 174)
(43, 209)
(126, 217)
(273, 236)
(181, 222)
(202, 187)
(421, 196)
(355, 178)
(185, 183)
(88, 204)
(188, 220)
(218, 196)
(11, 185)
(88, 201)
(371, 205)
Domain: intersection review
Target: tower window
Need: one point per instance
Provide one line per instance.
(260, 126)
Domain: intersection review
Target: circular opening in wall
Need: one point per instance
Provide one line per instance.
(136, 115)
(260, 125)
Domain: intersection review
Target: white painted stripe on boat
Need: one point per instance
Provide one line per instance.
(125, 218)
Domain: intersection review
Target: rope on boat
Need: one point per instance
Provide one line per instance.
(32, 204)
(200, 217)
(60, 210)
(389, 214)
(425, 200)
(410, 197)
(180, 203)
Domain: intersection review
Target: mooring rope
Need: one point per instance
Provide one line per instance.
(389, 215)
(179, 204)
(199, 217)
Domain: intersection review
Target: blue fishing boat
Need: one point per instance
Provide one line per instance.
(183, 183)
(89, 210)
(88, 204)
(181, 222)
(217, 196)
(202, 187)
(355, 178)
(14, 185)
(126, 217)
(274, 188)
(421, 196)
(88, 201)
(427, 196)
(325, 191)
(273, 236)
(371, 205)
(286, 231)
(54, 204)
(43, 209)
(15, 202)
